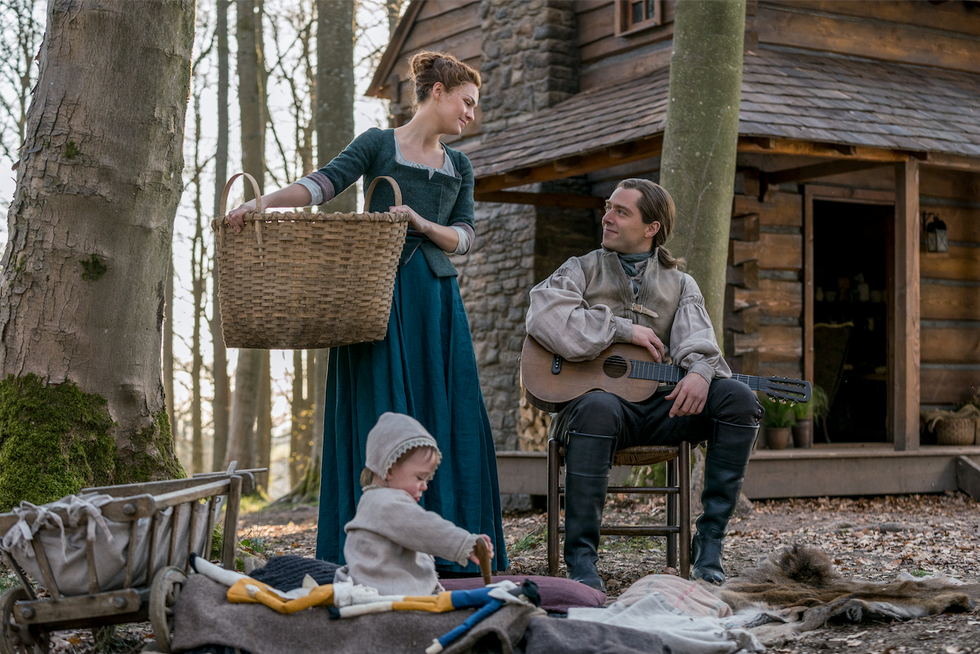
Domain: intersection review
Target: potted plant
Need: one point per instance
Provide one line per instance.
(807, 414)
(778, 422)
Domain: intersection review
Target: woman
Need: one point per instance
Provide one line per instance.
(425, 367)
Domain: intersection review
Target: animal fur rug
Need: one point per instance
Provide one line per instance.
(800, 584)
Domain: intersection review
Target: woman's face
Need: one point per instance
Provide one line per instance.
(455, 108)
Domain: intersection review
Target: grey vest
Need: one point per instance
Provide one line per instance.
(660, 291)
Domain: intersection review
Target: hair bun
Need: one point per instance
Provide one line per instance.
(430, 68)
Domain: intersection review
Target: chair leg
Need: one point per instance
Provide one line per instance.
(684, 481)
(554, 506)
(671, 502)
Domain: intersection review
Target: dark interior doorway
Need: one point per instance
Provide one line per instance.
(850, 312)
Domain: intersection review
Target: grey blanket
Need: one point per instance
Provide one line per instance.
(203, 616)
(557, 636)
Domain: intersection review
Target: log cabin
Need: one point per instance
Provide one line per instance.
(854, 259)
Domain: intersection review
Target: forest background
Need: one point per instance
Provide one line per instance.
(281, 436)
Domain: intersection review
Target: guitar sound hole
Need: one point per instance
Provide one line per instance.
(614, 366)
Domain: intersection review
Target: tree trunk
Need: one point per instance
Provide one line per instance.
(335, 71)
(394, 10)
(168, 347)
(308, 489)
(299, 454)
(244, 402)
(701, 138)
(197, 294)
(219, 366)
(86, 264)
(263, 423)
(241, 432)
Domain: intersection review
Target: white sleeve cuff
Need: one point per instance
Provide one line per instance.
(464, 240)
(314, 190)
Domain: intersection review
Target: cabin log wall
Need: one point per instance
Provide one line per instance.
(764, 273)
(950, 290)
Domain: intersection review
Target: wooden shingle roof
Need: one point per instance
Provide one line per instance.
(785, 94)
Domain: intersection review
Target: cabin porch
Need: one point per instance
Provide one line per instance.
(825, 470)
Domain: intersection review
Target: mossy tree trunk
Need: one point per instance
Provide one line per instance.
(701, 138)
(86, 264)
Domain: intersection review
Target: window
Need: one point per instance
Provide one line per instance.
(635, 15)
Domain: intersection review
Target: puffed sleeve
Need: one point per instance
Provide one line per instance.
(693, 345)
(563, 322)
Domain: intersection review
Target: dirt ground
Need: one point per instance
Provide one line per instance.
(869, 539)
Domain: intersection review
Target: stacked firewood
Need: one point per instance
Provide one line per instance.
(532, 428)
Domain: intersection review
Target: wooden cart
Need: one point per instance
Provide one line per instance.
(27, 620)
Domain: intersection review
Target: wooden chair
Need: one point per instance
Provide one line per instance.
(677, 529)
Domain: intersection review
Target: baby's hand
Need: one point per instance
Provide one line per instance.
(486, 539)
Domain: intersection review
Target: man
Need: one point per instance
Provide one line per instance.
(630, 291)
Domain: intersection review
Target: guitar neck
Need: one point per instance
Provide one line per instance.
(660, 372)
(669, 374)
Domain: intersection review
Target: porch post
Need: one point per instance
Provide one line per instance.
(905, 302)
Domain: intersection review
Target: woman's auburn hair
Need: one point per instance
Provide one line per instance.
(428, 68)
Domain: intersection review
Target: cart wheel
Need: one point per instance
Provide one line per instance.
(163, 596)
(17, 638)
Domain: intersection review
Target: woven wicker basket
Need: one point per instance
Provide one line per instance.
(307, 280)
(956, 431)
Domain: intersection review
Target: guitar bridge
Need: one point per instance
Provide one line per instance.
(556, 365)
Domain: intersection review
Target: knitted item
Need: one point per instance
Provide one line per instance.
(286, 572)
(392, 436)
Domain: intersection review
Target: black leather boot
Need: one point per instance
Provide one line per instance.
(724, 469)
(587, 461)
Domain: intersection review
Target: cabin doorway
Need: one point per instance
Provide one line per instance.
(850, 315)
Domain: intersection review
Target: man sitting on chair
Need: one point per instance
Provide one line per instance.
(630, 291)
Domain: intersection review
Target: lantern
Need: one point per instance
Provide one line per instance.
(936, 238)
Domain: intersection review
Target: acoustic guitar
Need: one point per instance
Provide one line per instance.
(629, 371)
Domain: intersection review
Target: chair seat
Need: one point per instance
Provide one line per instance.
(644, 455)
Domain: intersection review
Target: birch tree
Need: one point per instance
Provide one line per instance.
(85, 267)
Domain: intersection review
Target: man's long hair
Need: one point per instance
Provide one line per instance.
(655, 205)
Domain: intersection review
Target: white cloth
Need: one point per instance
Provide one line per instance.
(64, 544)
(680, 631)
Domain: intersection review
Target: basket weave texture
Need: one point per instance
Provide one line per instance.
(307, 280)
(956, 432)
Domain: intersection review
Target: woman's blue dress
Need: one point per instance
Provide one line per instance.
(426, 368)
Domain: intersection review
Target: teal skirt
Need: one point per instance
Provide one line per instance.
(425, 367)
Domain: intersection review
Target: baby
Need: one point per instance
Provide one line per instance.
(392, 540)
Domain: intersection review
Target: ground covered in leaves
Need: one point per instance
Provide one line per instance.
(869, 539)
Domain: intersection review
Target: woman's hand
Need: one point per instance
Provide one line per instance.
(236, 217)
(444, 237)
(474, 558)
(415, 221)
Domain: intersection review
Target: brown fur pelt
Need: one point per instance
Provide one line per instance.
(803, 579)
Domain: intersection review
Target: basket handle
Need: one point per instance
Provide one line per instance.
(255, 190)
(370, 191)
(224, 200)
